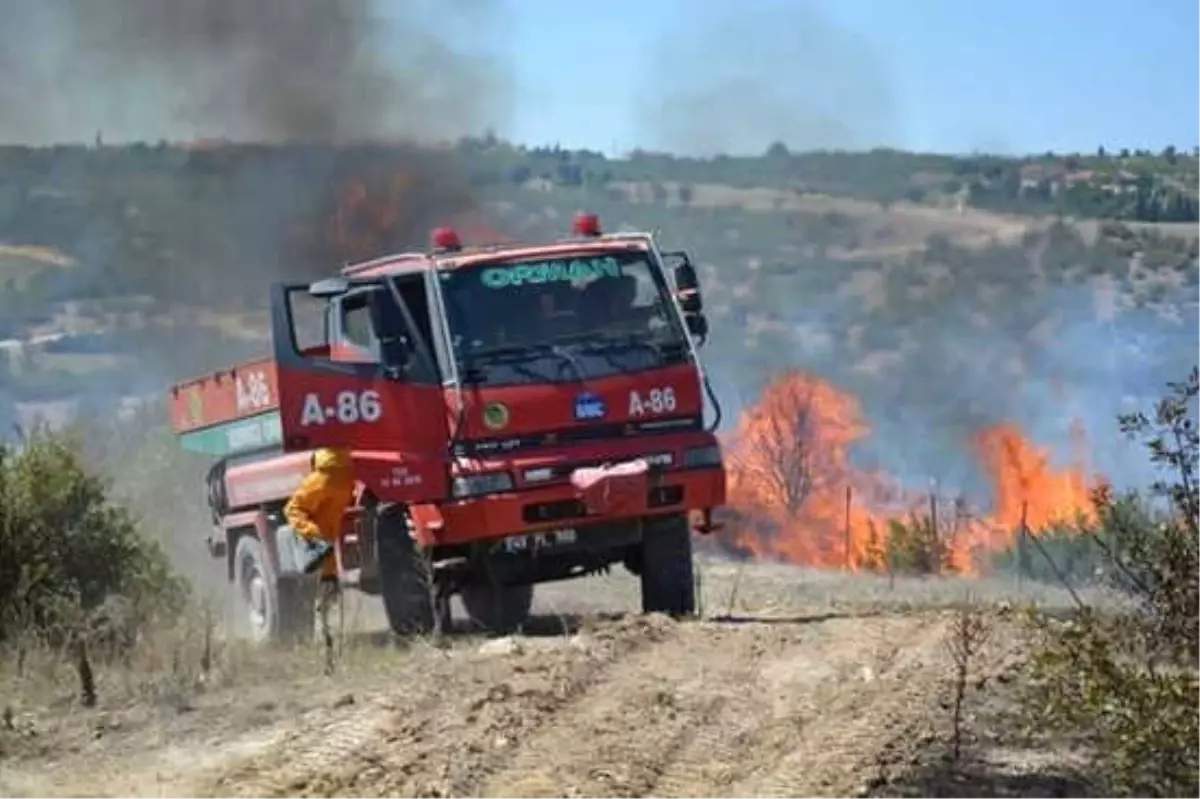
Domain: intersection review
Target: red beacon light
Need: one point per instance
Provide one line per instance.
(445, 239)
(586, 224)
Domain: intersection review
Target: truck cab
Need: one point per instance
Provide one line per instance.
(517, 414)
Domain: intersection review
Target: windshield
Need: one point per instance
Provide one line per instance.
(564, 319)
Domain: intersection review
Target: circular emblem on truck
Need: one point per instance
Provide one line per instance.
(495, 415)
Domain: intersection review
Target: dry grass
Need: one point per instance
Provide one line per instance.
(814, 684)
(910, 224)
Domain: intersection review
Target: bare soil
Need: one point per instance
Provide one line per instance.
(794, 684)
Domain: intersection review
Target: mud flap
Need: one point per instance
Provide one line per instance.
(368, 552)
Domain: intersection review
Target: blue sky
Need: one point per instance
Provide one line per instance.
(694, 76)
(1003, 76)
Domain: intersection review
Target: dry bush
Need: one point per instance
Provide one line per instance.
(187, 664)
(1127, 683)
(965, 640)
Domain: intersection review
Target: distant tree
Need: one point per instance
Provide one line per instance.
(1170, 154)
(685, 193)
(778, 149)
(569, 174)
(1100, 152)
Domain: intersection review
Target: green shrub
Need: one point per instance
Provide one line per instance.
(1127, 682)
(65, 548)
(1063, 551)
(913, 546)
(910, 546)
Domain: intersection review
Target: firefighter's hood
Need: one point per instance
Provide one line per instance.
(330, 460)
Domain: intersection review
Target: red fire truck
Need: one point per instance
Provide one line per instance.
(516, 414)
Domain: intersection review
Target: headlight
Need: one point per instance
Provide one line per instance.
(662, 460)
(700, 457)
(476, 484)
(539, 474)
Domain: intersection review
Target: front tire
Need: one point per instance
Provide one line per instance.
(668, 582)
(404, 579)
(498, 609)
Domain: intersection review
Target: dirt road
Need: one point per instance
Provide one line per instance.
(631, 707)
(827, 702)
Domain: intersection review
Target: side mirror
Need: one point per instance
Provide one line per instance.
(687, 284)
(686, 278)
(690, 302)
(329, 288)
(395, 346)
(697, 325)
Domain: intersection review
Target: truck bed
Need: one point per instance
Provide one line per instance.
(228, 411)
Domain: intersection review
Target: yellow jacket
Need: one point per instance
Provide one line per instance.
(316, 508)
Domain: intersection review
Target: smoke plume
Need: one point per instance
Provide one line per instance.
(264, 70)
(783, 74)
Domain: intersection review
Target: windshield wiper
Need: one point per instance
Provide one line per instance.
(569, 358)
(509, 355)
(513, 355)
(603, 343)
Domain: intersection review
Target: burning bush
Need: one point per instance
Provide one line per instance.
(798, 498)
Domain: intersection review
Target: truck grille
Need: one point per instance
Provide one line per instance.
(662, 496)
(557, 510)
(572, 435)
(563, 509)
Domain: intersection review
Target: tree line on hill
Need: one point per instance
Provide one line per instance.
(1127, 185)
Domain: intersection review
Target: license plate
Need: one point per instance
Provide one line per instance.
(529, 542)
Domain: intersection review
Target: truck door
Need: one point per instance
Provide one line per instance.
(386, 404)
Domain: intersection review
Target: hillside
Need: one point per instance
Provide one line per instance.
(965, 346)
(943, 311)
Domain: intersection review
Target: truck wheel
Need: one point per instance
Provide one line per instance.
(666, 566)
(497, 608)
(269, 610)
(403, 578)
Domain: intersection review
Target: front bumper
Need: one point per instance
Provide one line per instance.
(538, 509)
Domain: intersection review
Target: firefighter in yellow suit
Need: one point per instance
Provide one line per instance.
(315, 514)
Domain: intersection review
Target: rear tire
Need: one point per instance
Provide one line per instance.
(404, 581)
(668, 584)
(498, 609)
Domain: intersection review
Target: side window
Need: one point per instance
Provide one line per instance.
(356, 322)
(413, 291)
(358, 341)
(647, 290)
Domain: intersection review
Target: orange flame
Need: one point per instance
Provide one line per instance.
(797, 498)
(373, 218)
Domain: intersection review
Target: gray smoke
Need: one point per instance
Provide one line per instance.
(783, 74)
(262, 70)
